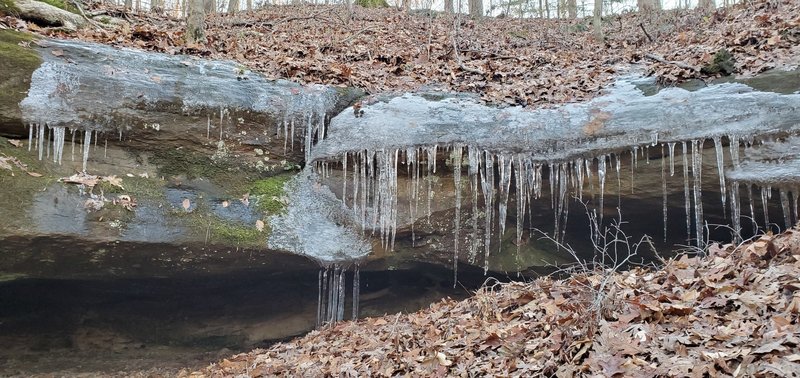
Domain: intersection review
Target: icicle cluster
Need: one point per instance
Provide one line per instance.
(331, 299)
(306, 110)
(41, 137)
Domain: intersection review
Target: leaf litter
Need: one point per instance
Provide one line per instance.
(732, 312)
(506, 61)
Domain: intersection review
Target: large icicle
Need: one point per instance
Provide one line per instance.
(504, 165)
(697, 174)
(457, 156)
(686, 195)
(720, 170)
(58, 144)
(601, 176)
(87, 142)
(664, 191)
(487, 186)
(473, 157)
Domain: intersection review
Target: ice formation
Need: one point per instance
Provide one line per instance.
(317, 224)
(573, 145)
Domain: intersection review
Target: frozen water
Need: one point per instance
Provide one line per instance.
(316, 224)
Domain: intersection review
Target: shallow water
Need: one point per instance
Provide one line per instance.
(163, 324)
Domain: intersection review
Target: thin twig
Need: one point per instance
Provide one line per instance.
(92, 22)
(649, 38)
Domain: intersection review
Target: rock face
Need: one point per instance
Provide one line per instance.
(194, 155)
(188, 157)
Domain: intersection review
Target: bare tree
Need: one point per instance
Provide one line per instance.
(209, 6)
(597, 20)
(572, 8)
(128, 4)
(233, 6)
(448, 6)
(648, 6)
(707, 5)
(249, 5)
(476, 8)
(196, 22)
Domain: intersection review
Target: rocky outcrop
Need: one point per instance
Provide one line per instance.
(183, 159)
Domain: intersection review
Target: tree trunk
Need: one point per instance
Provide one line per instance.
(128, 4)
(210, 6)
(249, 5)
(233, 6)
(647, 6)
(572, 8)
(597, 20)
(476, 8)
(196, 22)
(448, 6)
(707, 5)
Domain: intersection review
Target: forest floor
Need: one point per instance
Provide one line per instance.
(731, 312)
(532, 62)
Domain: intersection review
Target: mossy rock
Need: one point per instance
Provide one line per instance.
(268, 193)
(17, 64)
(8, 8)
(372, 3)
(61, 4)
(723, 64)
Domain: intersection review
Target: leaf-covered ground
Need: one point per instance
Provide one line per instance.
(733, 312)
(505, 60)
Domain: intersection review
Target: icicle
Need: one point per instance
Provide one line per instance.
(736, 212)
(563, 206)
(457, 156)
(72, 153)
(671, 147)
(344, 179)
(46, 140)
(105, 149)
(686, 195)
(58, 144)
(431, 169)
(30, 137)
(787, 218)
(319, 297)
(720, 170)
(411, 165)
(221, 114)
(40, 140)
(340, 300)
(520, 177)
(356, 291)
(664, 190)
(752, 208)
(323, 306)
(794, 202)
(733, 145)
(697, 166)
(765, 193)
(487, 186)
(601, 177)
(87, 142)
(502, 192)
(579, 176)
(473, 157)
(208, 126)
(634, 165)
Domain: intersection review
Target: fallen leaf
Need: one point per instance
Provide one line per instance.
(186, 204)
(57, 52)
(260, 225)
(15, 142)
(34, 174)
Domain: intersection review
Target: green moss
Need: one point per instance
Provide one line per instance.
(17, 64)
(61, 4)
(19, 188)
(268, 193)
(372, 3)
(139, 187)
(220, 231)
(7, 7)
(723, 64)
